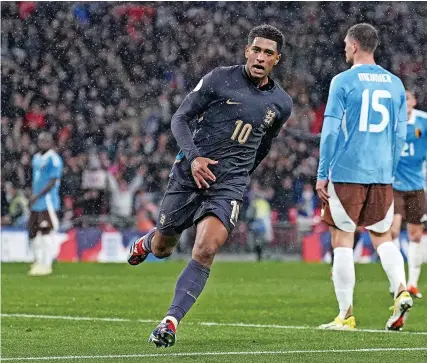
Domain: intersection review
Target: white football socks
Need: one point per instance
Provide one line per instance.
(393, 265)
(344, 278)
(415, 260)
(396, 242)
(47, 250)
(36, 247)
(172, 319)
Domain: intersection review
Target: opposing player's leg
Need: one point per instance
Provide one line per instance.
(395, 233)
(399, 215)
(44, 244)
(343, 276)
(378, 218)
(415, 258)
(395, 229)
(415, 228)
(342, 214)
(215, 220)
(35, 243)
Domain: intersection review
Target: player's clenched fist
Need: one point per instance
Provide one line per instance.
(201, 172)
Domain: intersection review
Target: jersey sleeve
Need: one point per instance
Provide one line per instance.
(402, 122)
(193, 105)
(335, 106)
(199, 98)
(55, 167)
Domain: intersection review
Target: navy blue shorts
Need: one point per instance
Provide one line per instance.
(183, 205)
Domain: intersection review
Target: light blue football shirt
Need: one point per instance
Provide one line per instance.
(409, 173)
(367, 106)
(46, 166)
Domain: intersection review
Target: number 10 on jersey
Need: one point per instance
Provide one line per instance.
(241, 133)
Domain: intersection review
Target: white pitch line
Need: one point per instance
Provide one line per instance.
(85, 318)
(242, 325)
(191, 354)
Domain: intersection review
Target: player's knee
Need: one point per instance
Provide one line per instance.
(161, 251)
(162, 246)
(205, 253)
(415, 236)
(395, 232)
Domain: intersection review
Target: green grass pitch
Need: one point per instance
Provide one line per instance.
(279, 305)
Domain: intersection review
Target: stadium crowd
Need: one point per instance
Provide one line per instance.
(106, 77)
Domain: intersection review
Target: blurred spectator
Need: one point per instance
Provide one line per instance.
(284, 198)
(122, 193)
(17, 207)
(307, 205)
(4, 203)
(258, 215)
(94, 184)
(106, 77)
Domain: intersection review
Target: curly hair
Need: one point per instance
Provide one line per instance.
(268, 32)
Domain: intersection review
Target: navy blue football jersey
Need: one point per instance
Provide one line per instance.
(234, 117)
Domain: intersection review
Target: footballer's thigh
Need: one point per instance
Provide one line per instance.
(341, 238)
(396, 226)
(33, 225)
(416, 204)
(378, 213)
(177, 210)
(215, 220)
(342, 212)
(43, 222)
(399, 213)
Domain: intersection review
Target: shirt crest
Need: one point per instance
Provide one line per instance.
(269, 117)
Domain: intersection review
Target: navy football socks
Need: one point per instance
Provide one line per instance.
(188, 288)
(146, 243)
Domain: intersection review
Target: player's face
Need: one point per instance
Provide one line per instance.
(261, 57)
(350, 49)
(44, 143)
(411, 101)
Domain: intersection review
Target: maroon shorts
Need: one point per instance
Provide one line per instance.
(351, 205)
(40, 221)
(410, 205)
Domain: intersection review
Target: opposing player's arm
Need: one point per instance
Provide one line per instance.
(194, 104)
(273, 132)
(331, 124)
(402, 123)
